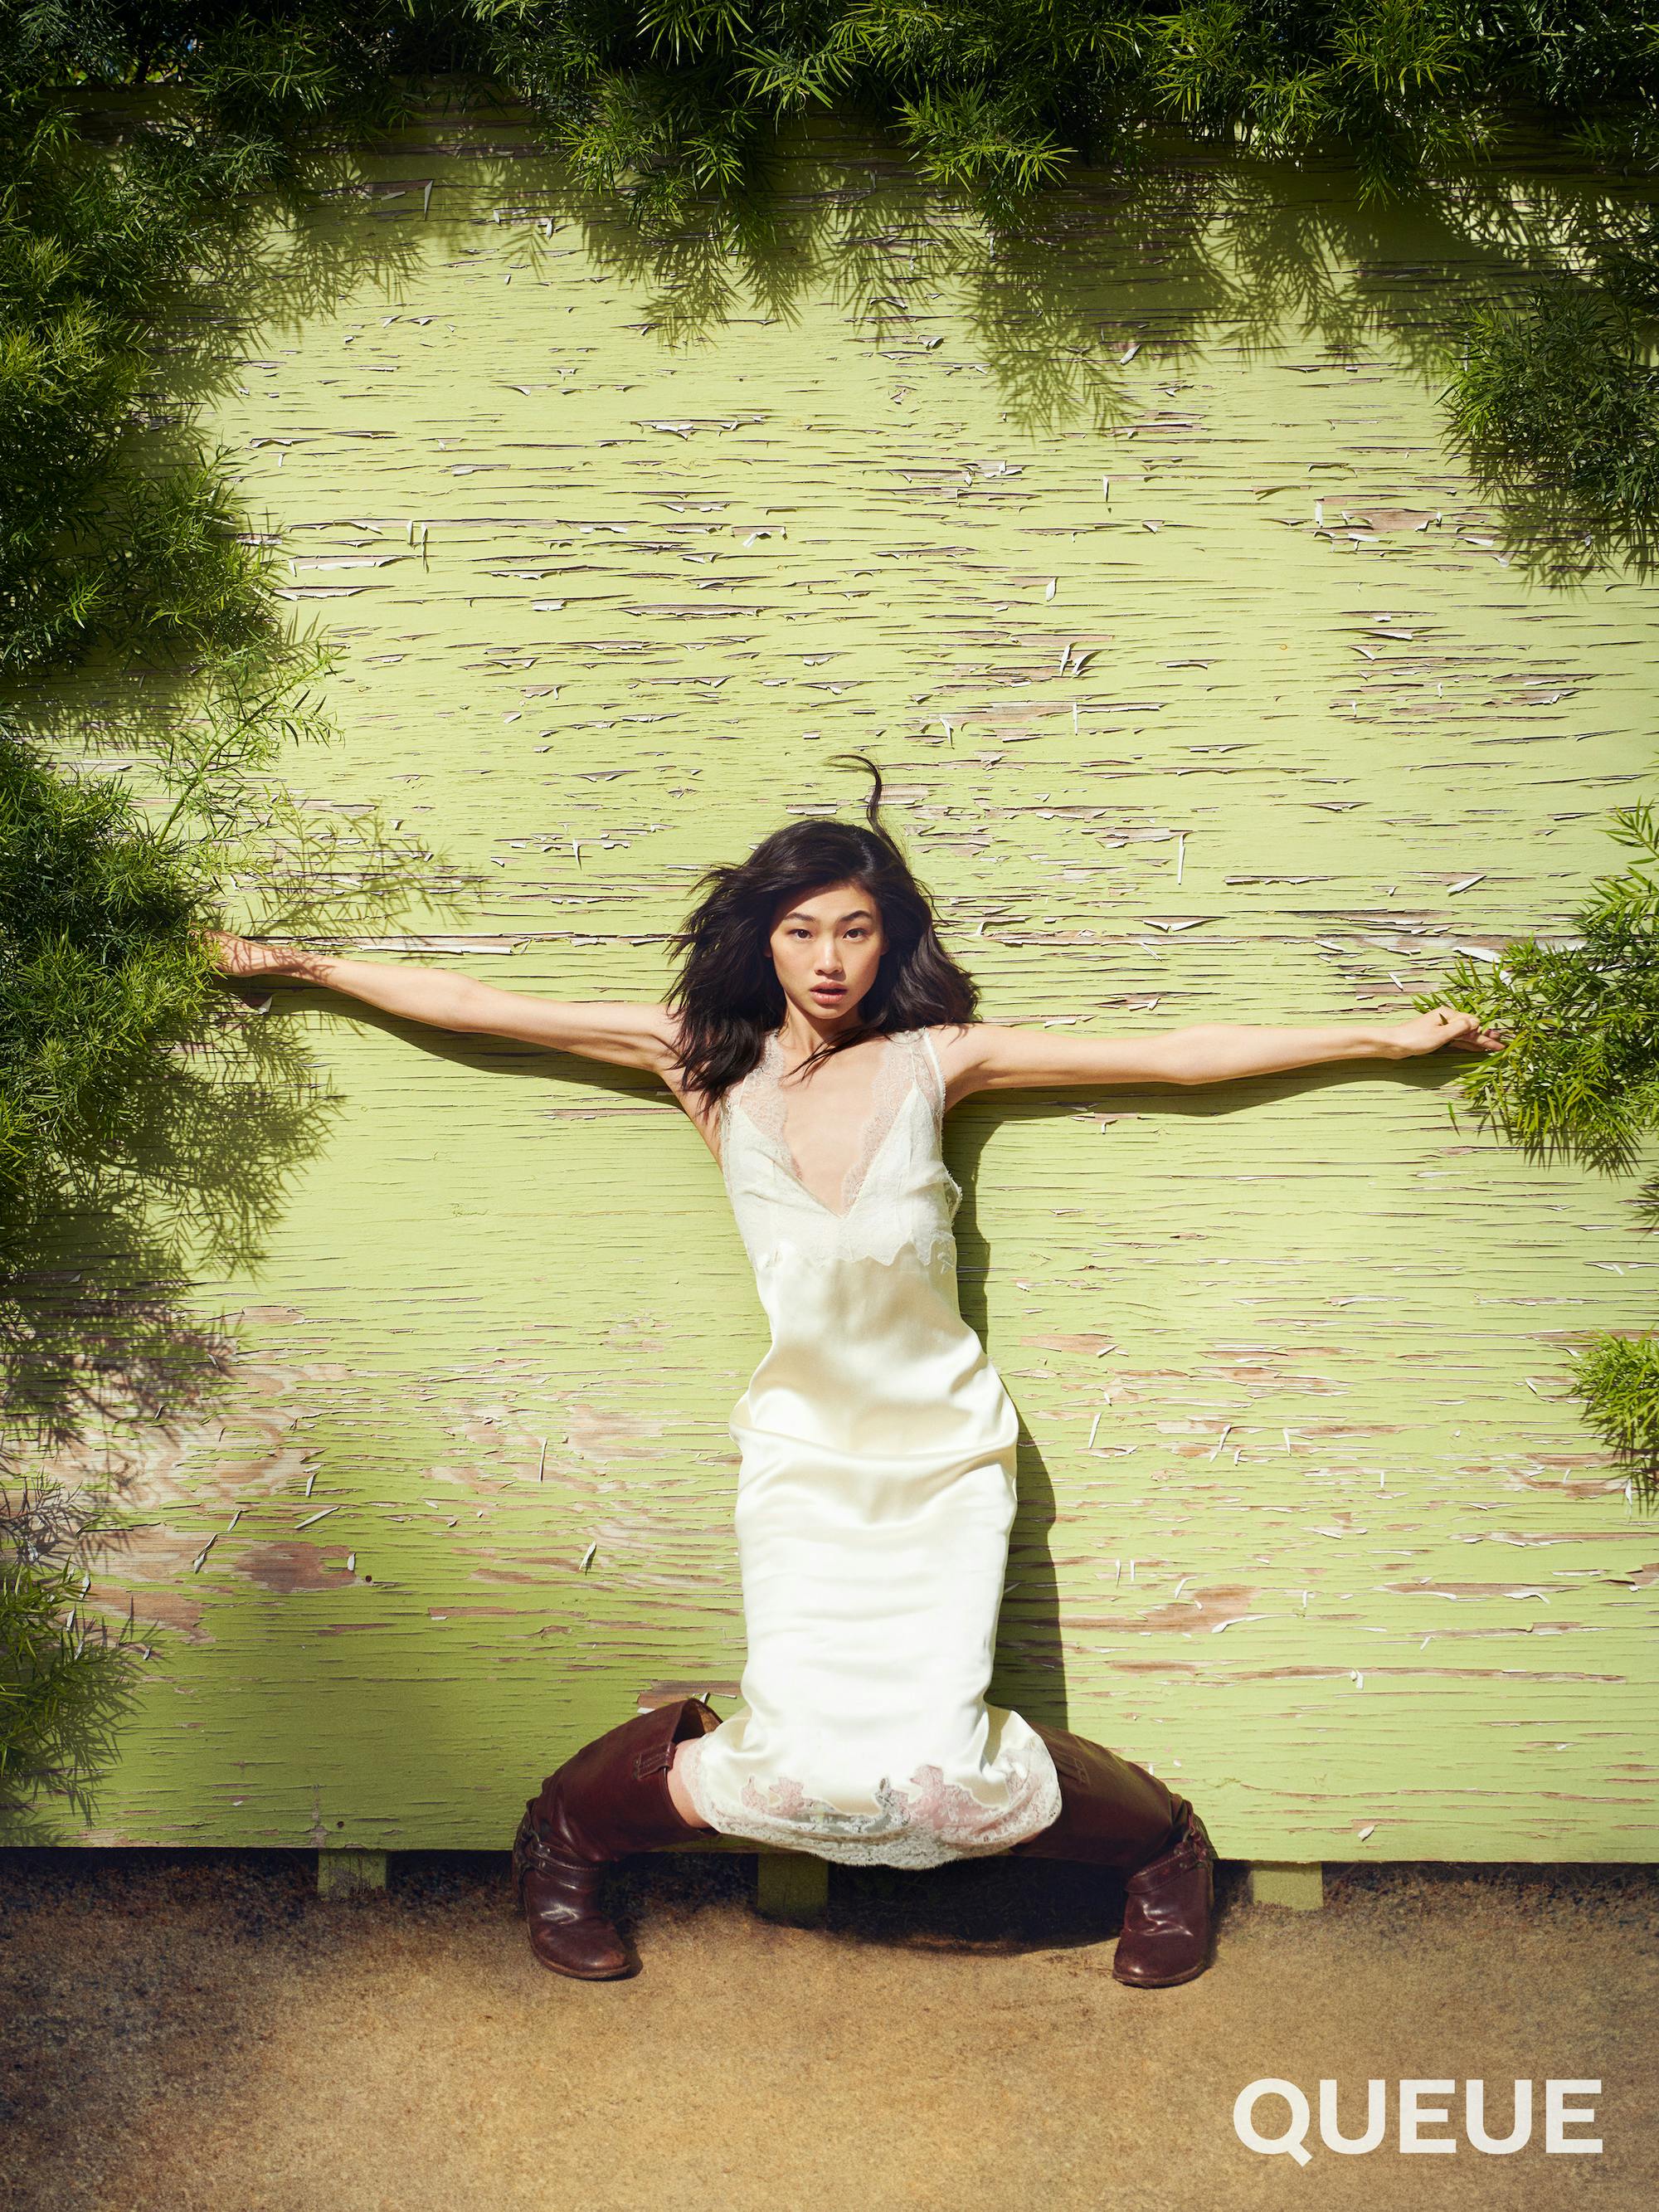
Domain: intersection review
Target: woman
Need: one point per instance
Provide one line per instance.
(817, 1036)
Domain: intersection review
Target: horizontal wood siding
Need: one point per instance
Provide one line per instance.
(1260, 729)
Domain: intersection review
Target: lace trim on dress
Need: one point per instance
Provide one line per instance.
(927, 1824)
(885, 1213)
(763, 1100)
(894, 1078)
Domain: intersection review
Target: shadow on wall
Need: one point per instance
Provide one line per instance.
(1192, 240)
(1029, 1672)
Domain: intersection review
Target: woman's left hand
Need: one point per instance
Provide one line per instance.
(1440, 1026)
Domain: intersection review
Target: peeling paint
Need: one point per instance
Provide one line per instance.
(1261, 730)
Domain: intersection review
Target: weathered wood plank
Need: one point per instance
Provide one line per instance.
(1279, 1882)
(791, 1887)
(350, 1873)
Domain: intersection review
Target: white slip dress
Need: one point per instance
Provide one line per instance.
(875, 1496)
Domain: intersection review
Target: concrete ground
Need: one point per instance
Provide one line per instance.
(202, 2032)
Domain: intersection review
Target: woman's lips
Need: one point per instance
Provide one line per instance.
(828, 990)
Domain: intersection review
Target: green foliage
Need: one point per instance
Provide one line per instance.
(118, 537)
(99, 965)
(1579, 1078)
(94, 543)
(1617, 1377)
(64, 1682)
(104, 899)
(1400, 83)
(968, 135)
(1579, 1075)
(100, 974)
(1554, 397)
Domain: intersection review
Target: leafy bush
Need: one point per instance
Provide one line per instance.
(118, 536)
(1617, 1379)
(1579, 1078)
(64, 1683)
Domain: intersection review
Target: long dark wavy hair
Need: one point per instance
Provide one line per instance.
(727, 994)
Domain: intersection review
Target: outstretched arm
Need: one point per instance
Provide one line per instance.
(989, 1056)
(627, 1035)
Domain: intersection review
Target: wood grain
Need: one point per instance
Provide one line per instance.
(1262, 733)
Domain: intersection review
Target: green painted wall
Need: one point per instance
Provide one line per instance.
(1311, 1522)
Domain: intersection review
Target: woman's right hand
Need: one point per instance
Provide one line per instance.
(246, 957)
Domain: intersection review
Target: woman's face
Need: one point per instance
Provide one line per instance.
(826, 946)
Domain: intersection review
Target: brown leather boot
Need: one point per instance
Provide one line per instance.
(610, 1798)
(1115, 1814)
(1167, 1909)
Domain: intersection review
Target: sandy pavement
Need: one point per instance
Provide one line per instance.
(201, 2033)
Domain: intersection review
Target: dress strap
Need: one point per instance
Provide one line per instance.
(932, 1075)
